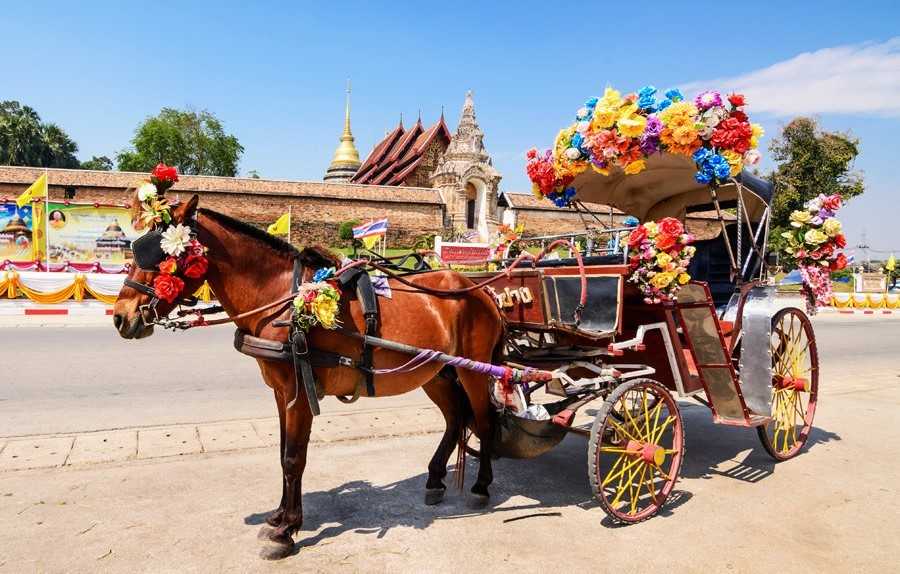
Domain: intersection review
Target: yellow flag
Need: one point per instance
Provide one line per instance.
(370, 241)
(281, 226)
(891, 263)
(36, 189)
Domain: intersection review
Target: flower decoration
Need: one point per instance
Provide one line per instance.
(175, 239)
(506, 234)
(661, 253)
(163, 177)
(621, 132)
(813, 244)
(317, 305)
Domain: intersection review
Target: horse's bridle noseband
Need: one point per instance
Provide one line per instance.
(145, 289)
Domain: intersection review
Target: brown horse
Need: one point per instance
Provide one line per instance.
(249, 269)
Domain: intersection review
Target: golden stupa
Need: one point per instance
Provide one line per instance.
(346, 158)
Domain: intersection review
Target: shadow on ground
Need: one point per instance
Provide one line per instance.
(528, 489)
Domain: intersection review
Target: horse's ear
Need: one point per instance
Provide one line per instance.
(186, 210)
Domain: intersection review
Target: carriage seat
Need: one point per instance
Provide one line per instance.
(592, 260)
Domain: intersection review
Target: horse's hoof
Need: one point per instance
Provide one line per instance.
(265, 533)
(434, 495)
(276, 546)
(478, 501)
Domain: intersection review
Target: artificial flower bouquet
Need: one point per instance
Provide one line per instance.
(317, 305)
(814, 245)
(661, 253)
(618, 131)
(186, 256)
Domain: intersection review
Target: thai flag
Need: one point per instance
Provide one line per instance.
(369, 229)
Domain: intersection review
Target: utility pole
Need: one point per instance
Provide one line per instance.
(864, 247)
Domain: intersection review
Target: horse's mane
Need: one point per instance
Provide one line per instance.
(313, 256)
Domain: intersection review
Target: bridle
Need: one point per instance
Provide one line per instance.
(150, 307)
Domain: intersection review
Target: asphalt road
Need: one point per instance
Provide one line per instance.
(84, 378)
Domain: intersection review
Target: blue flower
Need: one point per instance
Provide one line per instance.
(703, 176)
(720, 167)
(577, 140)
(663, 104)
(323, 274)
(701, 156)
(631, 221)
(646, 99)
(674, 95)
(591, 103)
(569, 192)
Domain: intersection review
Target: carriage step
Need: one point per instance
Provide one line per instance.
(750, 421)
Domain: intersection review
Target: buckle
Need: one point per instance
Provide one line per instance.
(151, 306)
(345, 361)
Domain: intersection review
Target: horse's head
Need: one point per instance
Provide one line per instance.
(167, 268)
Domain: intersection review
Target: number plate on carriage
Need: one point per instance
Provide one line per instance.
(601, 311)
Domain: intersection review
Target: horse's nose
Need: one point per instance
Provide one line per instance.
(117, 321)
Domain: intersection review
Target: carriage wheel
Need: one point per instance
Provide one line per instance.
(633, 462)
(795, 384)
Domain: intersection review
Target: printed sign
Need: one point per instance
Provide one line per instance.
(16, 233)
(87, 234)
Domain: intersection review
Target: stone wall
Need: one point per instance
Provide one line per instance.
(318, 208)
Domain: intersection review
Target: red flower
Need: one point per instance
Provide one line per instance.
(170, 265)
(739, 116)
(637, 236)
(634, 261)
(195, 266)
(840, 241)
(736, 100)
(733, 134)
(167, 287)
(165, 173)
(832, 202)
(671, 226)
(664, 242)
(839, 262)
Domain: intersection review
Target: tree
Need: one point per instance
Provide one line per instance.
(345, 233)
(25, 140)
(810, 161)
(98, 163)
(194, 142)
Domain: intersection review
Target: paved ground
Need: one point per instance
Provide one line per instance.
(191, 501)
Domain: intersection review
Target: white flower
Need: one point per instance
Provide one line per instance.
(175, 239)
(583, 127)
(573, 153)
(146, 191)
(582, 113)
(752, 157)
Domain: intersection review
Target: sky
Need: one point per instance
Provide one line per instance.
(275, 73)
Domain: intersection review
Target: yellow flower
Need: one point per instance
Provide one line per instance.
(611, 98)
(536, 191)
(678, 111)
(632, 125)
(757, 132)
(325, 309)
(604, 117)
(683, 278)
(651, 228)
(735, 160)
(831, 227)
(634, 167)
(600, 170)
(663, 259)
(662, 280)
(815, 237)
(799, 218)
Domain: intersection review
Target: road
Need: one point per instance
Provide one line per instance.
(835, 508)
(88, 378)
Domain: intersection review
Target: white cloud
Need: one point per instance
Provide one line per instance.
(852, 79)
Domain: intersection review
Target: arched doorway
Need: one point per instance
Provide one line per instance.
(471, 205)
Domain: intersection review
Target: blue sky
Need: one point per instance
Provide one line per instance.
(275, 72)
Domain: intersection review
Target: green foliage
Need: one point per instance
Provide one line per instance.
(98, 163)
(345, 230)
(26, 140)
(194, 142)
(809, 162)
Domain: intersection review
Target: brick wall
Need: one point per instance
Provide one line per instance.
(318, 209)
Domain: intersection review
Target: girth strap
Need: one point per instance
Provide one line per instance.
(365, 292)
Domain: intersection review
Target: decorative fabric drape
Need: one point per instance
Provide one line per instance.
(866, 300)
(51, 288)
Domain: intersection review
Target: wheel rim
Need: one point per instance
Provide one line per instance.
(795, 381)
(639, 456)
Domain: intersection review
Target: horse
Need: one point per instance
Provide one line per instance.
(248, 269)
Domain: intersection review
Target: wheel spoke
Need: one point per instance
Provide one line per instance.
(621, 472)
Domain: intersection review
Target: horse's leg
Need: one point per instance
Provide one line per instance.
(297, 428)
(477, 388)
(446, 394)
(274, 517)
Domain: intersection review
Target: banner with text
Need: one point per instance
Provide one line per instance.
(87, 234)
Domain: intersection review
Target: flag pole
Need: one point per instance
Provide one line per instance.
(290, 207)
(47, 220)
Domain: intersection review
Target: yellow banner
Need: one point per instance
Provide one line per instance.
(282, 226)
(35, 190)
(85, 234)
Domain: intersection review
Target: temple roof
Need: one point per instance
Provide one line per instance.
(345, 161)
(398, 155)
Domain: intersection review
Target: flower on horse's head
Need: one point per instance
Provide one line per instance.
(167, 287)
(323, 274)
(195, 266)
(175, 239)
(164, 176)
(146, 191)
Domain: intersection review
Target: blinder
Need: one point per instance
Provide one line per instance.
(147, 250)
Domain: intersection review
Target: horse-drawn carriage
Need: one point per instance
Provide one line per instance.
(634, 317)
(752, 361)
